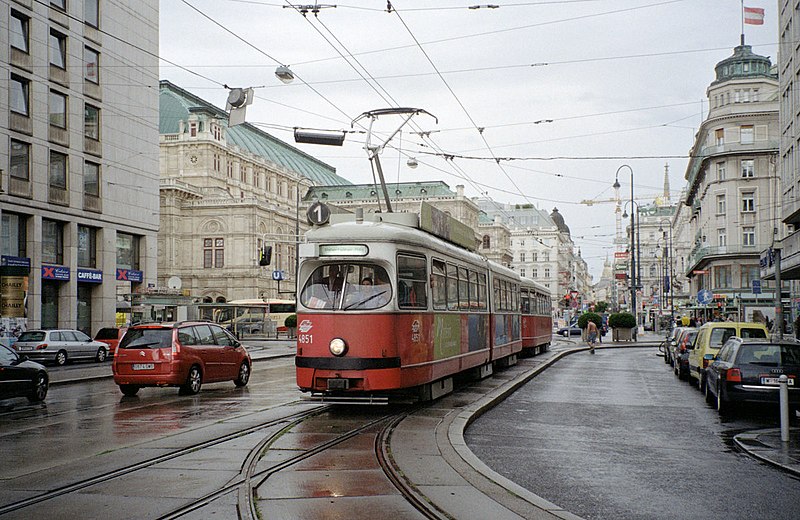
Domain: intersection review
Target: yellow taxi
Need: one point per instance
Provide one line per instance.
(710, 339)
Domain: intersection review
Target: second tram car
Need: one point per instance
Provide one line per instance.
(387, 307)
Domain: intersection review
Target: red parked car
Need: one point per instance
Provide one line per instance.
(183, 354)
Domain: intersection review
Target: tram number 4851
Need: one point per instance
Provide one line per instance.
(305, 338)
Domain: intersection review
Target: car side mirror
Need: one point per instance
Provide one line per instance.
(710, 357)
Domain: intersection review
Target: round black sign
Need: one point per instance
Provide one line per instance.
(318, 214)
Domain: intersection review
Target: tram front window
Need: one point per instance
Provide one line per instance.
(355, 287)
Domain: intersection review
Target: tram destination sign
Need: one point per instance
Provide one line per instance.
(444, 226)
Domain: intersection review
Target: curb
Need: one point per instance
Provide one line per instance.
(750, 444)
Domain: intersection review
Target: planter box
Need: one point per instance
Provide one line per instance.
(618, 334)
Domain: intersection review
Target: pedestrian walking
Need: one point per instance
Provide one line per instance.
(591, 335)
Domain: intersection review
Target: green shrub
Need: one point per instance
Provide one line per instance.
(601, 307)
(290, 321)
(622, 320)
(584, 319)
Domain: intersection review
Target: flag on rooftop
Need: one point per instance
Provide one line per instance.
(754, 15)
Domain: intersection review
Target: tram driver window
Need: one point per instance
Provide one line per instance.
(412, 282)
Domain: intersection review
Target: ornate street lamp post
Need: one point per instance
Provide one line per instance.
(671, 275)
(634, 248)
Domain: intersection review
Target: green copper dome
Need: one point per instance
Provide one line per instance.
(743, 64)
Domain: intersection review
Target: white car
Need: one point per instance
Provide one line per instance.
(60, 346)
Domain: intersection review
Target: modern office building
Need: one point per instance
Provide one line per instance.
(78, 160)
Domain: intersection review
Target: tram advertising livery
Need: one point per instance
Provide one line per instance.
(395, 304)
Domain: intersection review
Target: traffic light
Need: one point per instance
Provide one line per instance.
(266, 256)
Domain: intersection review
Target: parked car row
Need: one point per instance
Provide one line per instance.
(181, 354)
(734, 363)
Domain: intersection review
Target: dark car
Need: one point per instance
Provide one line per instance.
(571, 330)
(20, 377)
(680, 352)
(183, 354)
(748, 370)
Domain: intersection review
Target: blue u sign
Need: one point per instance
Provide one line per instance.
(277, 275)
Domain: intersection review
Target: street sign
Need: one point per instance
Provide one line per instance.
(756, 286)
(704, 297)
(277, 275)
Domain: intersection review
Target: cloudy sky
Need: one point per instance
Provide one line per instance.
(537, 102)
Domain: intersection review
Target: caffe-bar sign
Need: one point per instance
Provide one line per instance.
(90, 276)
(55, 272)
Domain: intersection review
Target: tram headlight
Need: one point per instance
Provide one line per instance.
(338, 347)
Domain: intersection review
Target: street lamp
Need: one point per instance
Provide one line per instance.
(634, 250)
(671, 275)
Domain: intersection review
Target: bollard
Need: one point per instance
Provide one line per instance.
(784, 404)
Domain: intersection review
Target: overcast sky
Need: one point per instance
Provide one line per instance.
(569, 89)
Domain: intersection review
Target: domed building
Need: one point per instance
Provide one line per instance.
(733, 185)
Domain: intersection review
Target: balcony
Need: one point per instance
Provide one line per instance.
(702, 253)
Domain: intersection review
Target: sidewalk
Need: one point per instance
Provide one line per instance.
(766, 445)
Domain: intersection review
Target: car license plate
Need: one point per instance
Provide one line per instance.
(143, 366)
(775, 381)
(24, 348)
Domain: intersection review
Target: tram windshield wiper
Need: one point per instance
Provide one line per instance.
(365, 300)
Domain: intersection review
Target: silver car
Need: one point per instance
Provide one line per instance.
(60, 346)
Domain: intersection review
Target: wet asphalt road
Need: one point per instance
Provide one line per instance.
(616, 435)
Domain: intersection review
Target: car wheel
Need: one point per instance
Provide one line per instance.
(101, 355)
(129, 390)
(244, 374)
(193, 382)
(723, 406)
(39, 389)
(61, 358)
(708, 394)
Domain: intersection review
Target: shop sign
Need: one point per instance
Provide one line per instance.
(130, 275)
(55, 272)
(90, 275)
(15, 261)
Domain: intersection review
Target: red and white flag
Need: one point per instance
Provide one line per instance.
(754, 16)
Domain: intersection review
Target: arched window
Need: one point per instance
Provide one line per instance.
(487, 242)
(220, 299)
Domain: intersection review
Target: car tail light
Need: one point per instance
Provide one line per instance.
(41, 346)
(176, 348)
(733, 375)
(705, 363)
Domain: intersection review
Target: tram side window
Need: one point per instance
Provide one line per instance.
(452, 287)
(463, 289)
(482, 291)
(474, 300)
(497, 302)
(526, 302)
(515, 297)
(412, 282)
(439, 284)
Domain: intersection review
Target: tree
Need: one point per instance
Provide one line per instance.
(601, 307)
(586, 317)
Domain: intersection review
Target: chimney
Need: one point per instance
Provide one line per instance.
(460, 191)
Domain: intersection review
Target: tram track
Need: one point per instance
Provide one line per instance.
(127, 470)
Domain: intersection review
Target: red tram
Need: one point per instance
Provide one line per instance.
(391, 304)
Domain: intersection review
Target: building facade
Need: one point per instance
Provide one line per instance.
(78, 161)
(732, 186)
(226, 193)
(541, 248)
(789, 75)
